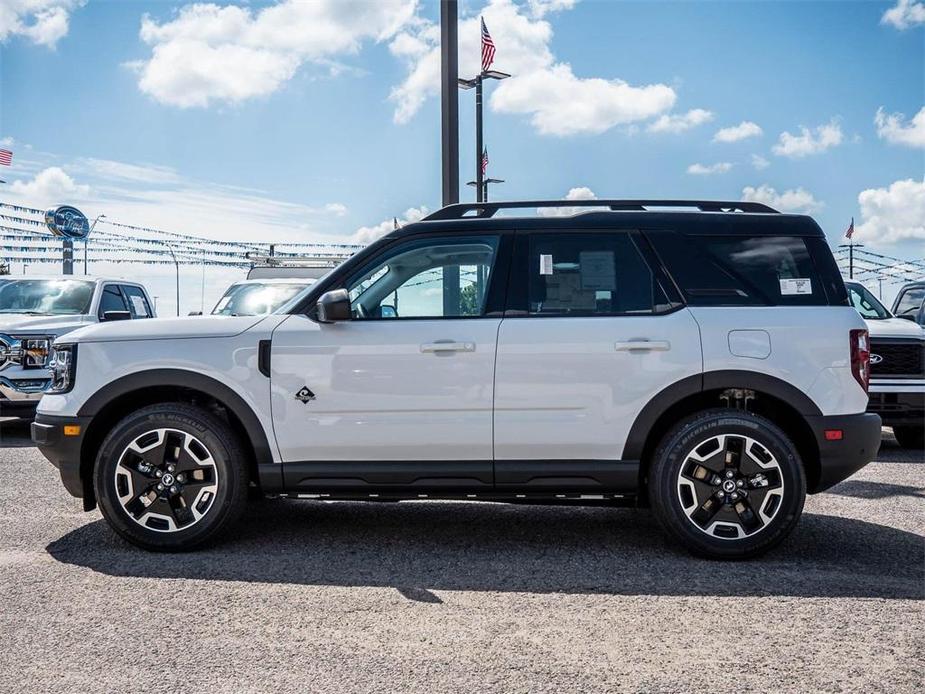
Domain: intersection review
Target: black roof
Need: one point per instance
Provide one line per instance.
(694, 217)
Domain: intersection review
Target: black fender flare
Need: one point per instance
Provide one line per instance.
(707, 381)
(189, 380)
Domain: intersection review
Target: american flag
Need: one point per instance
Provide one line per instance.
(484, 161)
(849, 232)
(6, 157)
(488, 48)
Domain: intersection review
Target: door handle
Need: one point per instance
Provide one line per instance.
(447, 346)
(643, 345)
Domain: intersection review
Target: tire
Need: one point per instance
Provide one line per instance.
(910, 436)
(197, 460)
(716, 520)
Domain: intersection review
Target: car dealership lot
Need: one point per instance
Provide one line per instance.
(439, 596)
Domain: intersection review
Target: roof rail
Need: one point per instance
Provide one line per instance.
(489, 209)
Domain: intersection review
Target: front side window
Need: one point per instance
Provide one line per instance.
(45, 297)
(588, 274)
(431, 278)
(112, 300)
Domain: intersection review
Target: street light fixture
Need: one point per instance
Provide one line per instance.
(485, 184)
(476, 82)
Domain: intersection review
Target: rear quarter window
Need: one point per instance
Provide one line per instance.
(742, 270)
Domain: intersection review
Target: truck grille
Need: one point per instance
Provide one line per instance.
(897, 357)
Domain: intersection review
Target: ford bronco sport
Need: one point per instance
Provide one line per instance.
(702, 359)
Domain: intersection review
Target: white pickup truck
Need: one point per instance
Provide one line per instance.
(36, 310)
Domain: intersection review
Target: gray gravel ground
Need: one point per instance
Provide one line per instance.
(452, 597)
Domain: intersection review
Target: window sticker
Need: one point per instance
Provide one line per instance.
(598, 271)
(796, 286)
(545, 264)
(138, 303)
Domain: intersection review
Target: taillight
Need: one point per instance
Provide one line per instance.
(860, 357)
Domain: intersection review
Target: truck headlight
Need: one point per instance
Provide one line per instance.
(35, 352)
(63, 367)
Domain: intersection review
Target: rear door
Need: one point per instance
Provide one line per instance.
(590, 337)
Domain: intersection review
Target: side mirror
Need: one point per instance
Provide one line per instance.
(116, 315)
(334, 306)
(386, 311)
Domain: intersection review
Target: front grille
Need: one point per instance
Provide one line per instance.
(897, 357)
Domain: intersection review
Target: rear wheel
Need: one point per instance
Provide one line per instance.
(910, 436)
(171, 477)
(727, 484)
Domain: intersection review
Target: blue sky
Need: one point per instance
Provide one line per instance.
(318, 121)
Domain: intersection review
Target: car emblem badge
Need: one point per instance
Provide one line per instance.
(875, 359)
(305, 395)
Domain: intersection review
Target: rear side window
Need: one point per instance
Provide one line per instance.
(742, 270)
(587, 274)
(138, 302)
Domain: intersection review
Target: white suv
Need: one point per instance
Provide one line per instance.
(34, 311)
(704, 361)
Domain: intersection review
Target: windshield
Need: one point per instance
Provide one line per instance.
(255, 299)
(46, 297)
(866, 303)
(911, 301)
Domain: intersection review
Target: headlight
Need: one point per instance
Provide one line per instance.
(63, 367)
(35, 352)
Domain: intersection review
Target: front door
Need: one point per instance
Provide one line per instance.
(402, 393)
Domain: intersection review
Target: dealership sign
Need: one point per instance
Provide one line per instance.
(67, 222)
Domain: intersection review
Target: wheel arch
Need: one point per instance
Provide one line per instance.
(775, 399)
(114, 400)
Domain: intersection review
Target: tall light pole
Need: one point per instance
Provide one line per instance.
(87, 240)
(177, 266)
(479, 144)
(449, 100)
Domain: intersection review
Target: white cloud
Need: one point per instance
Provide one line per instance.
(557, 100)
(579, 193)
(44, 22)
(759, 162)
(117, 170)
(893, 128)
(540, 8)
(366, 235)
(905, 14)
(679, 122)
(229, 54)
(702, 170)
(796, 200)
(734, 133)
(809, 141)
(50, 186)
(893, 214)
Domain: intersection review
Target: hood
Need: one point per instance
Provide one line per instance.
(16, 323)
(166, 328)
(895, 327)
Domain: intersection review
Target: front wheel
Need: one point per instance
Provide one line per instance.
(727, 484)
(910, 436)
(170, 477)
